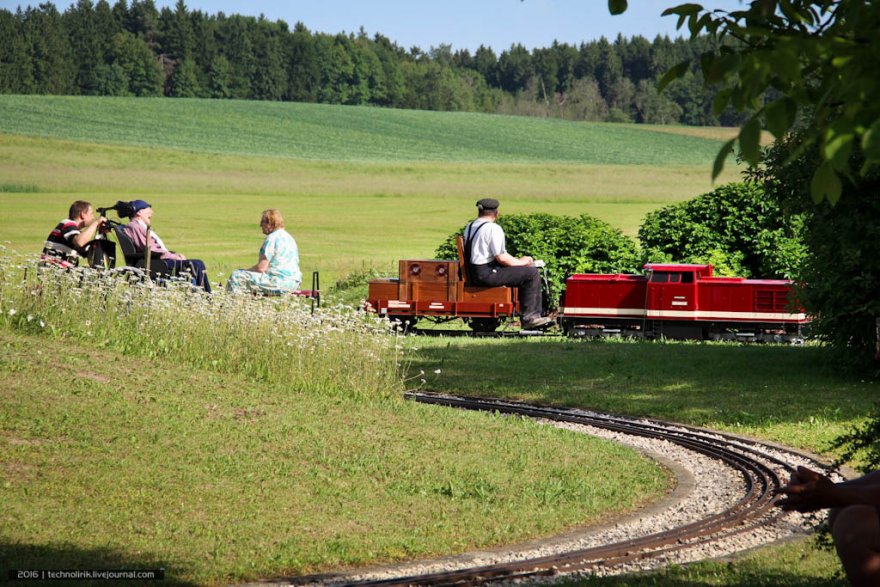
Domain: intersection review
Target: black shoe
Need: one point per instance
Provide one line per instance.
(538, 323)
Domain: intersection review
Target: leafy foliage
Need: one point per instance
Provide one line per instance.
(569, 245)
(842, 269)
(807, 70)
(735, 227)
(816, 55)
(843, 272)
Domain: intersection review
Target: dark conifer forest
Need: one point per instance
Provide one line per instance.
(135, 49)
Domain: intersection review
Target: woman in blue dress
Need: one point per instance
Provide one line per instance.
(277, 272)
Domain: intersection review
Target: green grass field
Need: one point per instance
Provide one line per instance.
(232, 476)
(220, 478)
(738, 388)
(354, 202)
(343, 133)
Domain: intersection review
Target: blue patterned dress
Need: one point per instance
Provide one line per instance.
(283, 275)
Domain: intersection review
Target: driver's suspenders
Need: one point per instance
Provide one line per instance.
(469, 245)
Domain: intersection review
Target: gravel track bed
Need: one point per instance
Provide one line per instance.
(704, 486)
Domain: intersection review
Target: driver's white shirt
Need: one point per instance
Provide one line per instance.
(487, 244)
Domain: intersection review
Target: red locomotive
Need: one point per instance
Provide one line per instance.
(681, 301)
(672, 301)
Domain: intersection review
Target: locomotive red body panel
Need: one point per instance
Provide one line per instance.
(679, 301)
(596, 295)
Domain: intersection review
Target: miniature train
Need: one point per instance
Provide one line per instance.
(679, 301)
(684, 302)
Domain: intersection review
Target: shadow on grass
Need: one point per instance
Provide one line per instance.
(746, 385)
(670, 579)
(61, 557)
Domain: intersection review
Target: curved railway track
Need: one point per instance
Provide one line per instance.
(751, 338)
(761, 468)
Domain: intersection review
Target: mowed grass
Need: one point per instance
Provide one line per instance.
(115, 461)
(791, 395)
(363, 205)
(798, 564)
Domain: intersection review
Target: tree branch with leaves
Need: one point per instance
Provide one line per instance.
(818, 57)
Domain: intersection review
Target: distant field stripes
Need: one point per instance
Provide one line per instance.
(344, 133)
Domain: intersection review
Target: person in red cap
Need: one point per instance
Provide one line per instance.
(141, 218)
(490, 264)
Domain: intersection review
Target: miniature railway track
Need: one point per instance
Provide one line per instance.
(758, 469)
(472, 334)
(556, 333)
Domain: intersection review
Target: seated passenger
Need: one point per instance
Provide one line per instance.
(277, 271)
(136, 230)
(491, 265)
(67, 242)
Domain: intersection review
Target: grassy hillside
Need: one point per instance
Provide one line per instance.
(343, 133)
(222, 478)
(367, 203)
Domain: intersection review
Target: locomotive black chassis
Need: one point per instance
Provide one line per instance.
(577, 326)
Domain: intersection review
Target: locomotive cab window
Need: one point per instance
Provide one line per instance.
(669, 277)
(666, 277)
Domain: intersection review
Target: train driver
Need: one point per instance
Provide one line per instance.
(491, 265)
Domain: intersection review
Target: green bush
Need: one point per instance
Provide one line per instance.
(567, 244)
(736, 228)
(841, 274)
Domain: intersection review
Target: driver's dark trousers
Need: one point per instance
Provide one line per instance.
(526, 278)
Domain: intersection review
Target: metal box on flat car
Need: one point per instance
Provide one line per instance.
(384, 288)
(427, 279)
(434, 288)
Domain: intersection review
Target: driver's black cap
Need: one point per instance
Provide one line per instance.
(487, 204)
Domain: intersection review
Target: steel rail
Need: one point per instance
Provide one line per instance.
(760, 481)
(752, 510)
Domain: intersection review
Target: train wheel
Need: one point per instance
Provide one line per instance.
(567, 326)
(484, 325)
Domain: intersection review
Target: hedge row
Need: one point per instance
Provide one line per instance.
(568, 245)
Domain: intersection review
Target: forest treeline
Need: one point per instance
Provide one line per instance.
(135, 49)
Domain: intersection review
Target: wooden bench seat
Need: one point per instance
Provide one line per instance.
(467, 292)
